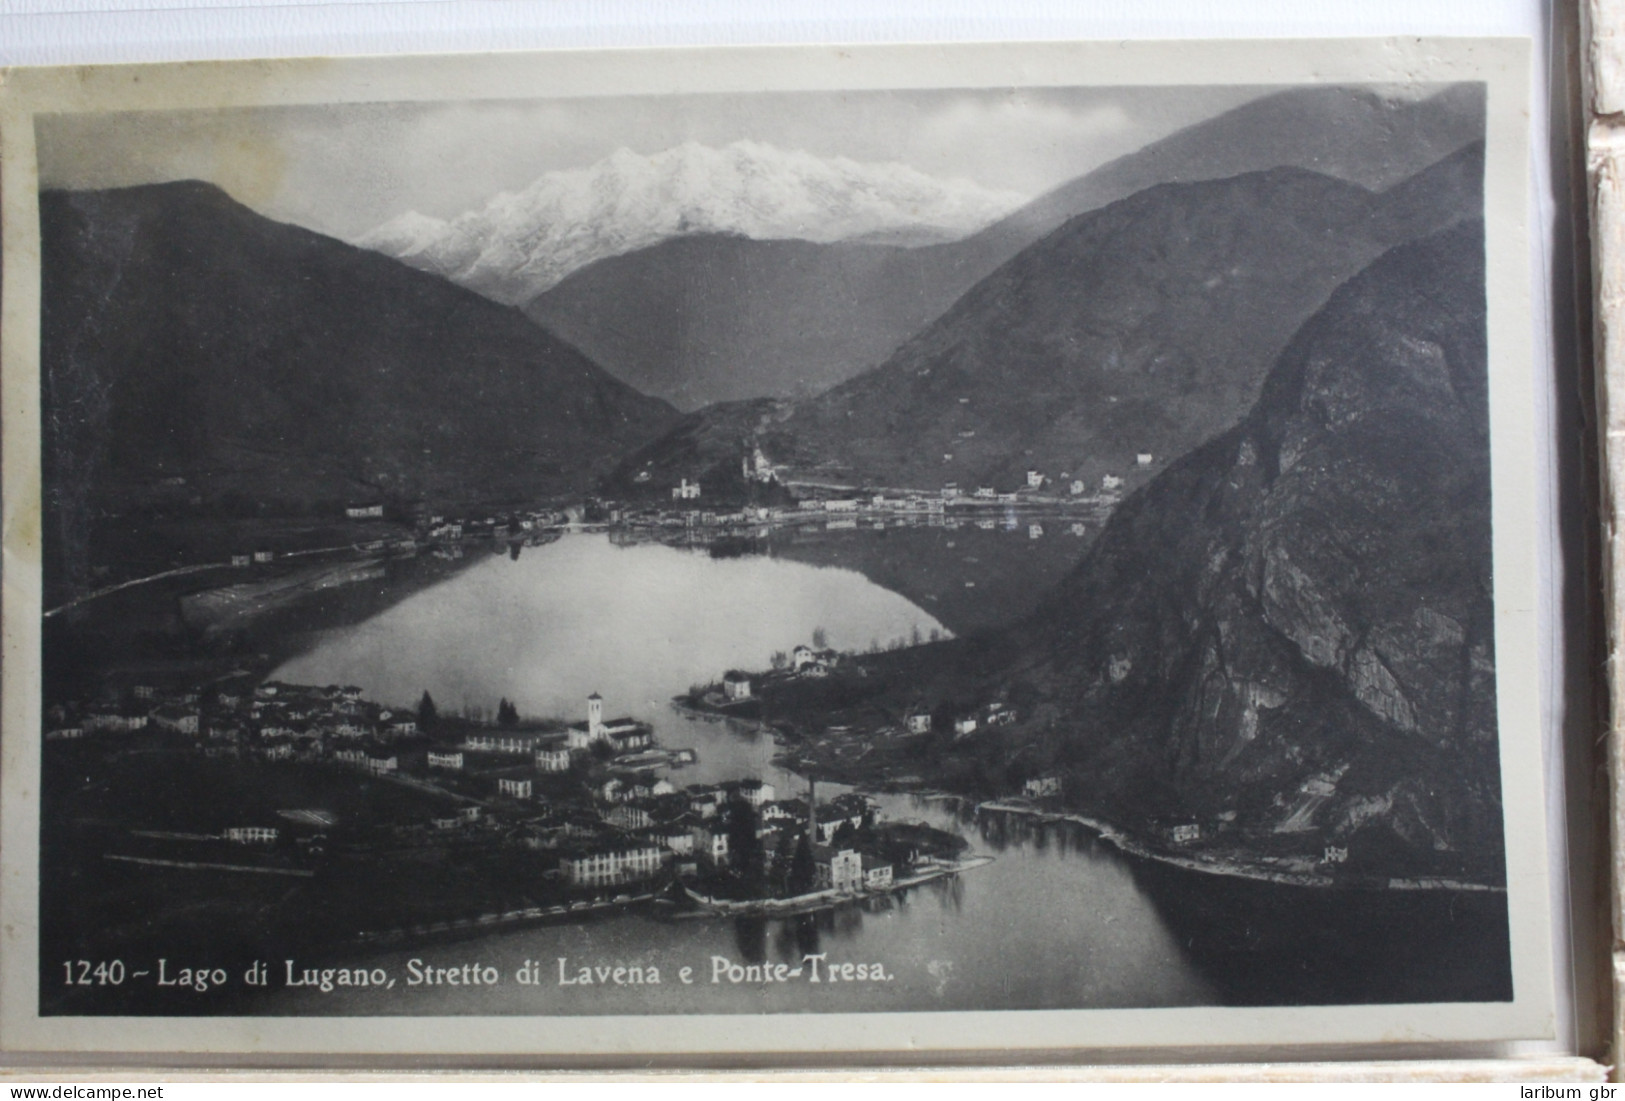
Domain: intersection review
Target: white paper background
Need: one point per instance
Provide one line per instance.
(43, 32)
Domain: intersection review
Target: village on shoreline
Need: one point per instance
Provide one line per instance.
(583, 816)
(761, 499)
(592, 807)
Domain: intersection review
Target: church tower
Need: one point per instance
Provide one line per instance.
(595, 716)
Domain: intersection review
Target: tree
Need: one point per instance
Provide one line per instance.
(820, 640)
(803, 868)
(779, 659)
(778, 876)
(867, 834)
(507, 713)
(427, 712)
(745, 848)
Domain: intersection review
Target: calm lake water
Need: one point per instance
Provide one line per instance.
(637, 624)
(1058, 920)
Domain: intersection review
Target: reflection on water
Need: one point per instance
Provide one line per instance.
(750, 939)
(969, 577)
(1273, 944)
(638, 624)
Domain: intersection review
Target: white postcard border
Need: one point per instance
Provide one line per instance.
(1503, 64)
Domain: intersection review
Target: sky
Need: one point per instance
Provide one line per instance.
(344, 169)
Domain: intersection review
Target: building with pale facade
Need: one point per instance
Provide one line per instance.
(736, 685)
(623, 734)
(553, 758)
(839, 870)
(516, 742)
(612, 866)
(710, 843)
(514, 788)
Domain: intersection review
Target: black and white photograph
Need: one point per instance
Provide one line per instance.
(834, 550)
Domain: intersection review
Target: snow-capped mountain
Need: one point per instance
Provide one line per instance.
(521, 243)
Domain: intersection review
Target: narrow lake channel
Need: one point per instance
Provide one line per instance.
(1058, 920)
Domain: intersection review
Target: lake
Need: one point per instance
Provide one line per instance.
(1058, 920)
(637, 624)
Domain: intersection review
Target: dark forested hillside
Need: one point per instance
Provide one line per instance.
(193, 350)
(1142, 328)
(1287, 636)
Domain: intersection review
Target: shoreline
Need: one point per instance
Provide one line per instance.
(680, 705)
(828, 898)
(1130, 847)
(1118, 838)
(460, 928)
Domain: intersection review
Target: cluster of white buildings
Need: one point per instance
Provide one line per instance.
(813, 661)
(994, 714)
(692, 830)
(738, 686)
(516, 787)
(1036, 480)
(879, 511)
(914, 504)
(144, 707)
(511, 742)
(378, 764)
(619, 789)
(274, 721)
(622, 735)
(644, 828)
(612, 865)
(252, 835)
(848, 871)
(443, 529)
(555, 750)
(637, 826)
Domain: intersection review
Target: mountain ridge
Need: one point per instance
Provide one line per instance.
(808, 316)
(1277, 658)
(1348, 132)
(1289, 633)
(522, 243)
(679, 318)
(197, 355)
(1143, 328)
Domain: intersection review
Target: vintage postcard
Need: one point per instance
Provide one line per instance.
(687, 552)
